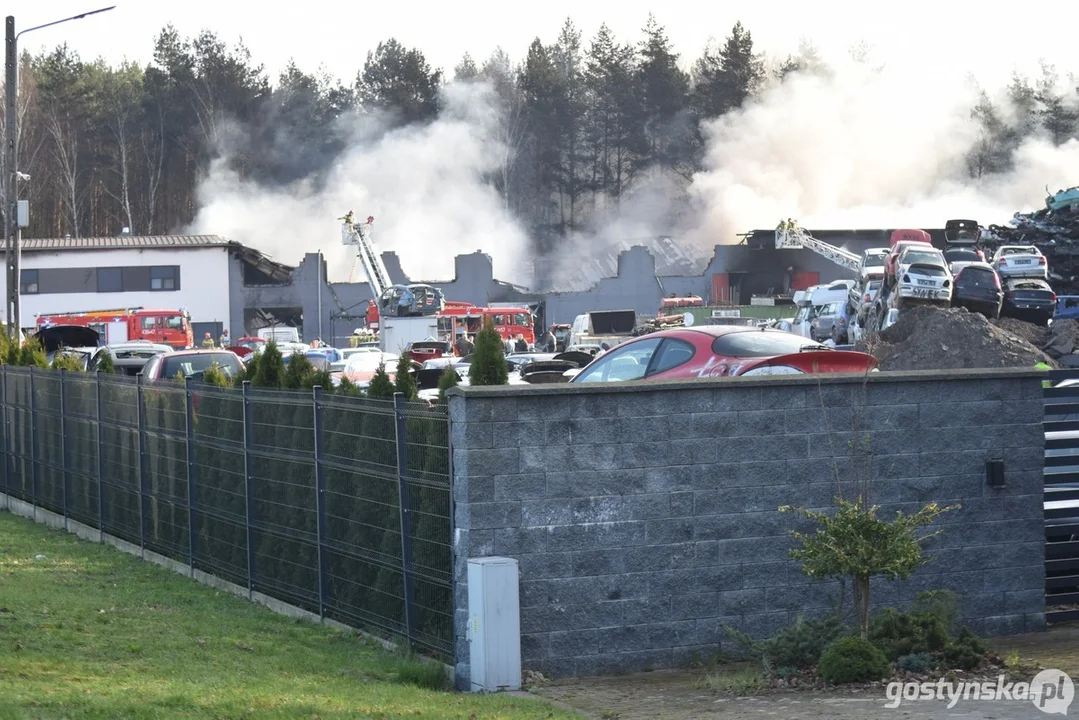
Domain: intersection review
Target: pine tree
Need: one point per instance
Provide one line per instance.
(381, 386)
(489, 358)
(270, 368)
(404, 381)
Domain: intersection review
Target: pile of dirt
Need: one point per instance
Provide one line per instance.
(933, 338)
(1059, 339)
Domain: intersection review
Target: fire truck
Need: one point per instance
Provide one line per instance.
(168, 327)
(452, 317)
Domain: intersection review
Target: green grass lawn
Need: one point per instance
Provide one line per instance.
(89, 632)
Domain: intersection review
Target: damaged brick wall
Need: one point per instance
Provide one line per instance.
(645, 517)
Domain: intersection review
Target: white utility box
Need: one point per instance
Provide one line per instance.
(494, 624)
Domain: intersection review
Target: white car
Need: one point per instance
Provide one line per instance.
(922, 274)
(872, 263)
(1020, 261)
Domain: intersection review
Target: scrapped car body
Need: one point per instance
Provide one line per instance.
(960, 257)
(1029, 299)
(977, 288)
(192, 364)
(922, 277)
(360, 368)
(714, 351)
(76, 341)
(131, 357)
(1020, 261)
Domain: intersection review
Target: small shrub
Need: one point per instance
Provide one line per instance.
(851, 660)
(796, 646)
(899, 633)
(64, 361)
(917, 662)
(448, 379)
(214, 376)
(966, 652)
(105, 364)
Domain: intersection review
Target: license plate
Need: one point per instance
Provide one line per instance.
(1022, 262)
(926, 282)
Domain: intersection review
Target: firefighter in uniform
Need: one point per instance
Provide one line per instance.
(349, 218)
(208, 342)
(354, 340)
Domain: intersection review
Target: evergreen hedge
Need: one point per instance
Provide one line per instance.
(363, 573)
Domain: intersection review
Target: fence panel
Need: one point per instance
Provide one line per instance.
(339, 505)
(1062, 497)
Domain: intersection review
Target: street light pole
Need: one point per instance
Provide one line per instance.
(12, 231)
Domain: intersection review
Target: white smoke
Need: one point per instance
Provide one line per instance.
(425, 185)
(862, 148)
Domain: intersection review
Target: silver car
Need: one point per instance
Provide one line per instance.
(1020, 261)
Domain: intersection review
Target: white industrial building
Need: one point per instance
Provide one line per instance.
(203, 274)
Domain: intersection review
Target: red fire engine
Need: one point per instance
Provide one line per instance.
(168, 327)
(508, 321)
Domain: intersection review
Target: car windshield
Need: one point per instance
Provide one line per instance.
(188, 365)
(1029, 285)
(1018, 251)
(961, 255)
(873, 285)
(920, 256)
(873, 256)
(927, 270)
(758, 343)
(976, 277)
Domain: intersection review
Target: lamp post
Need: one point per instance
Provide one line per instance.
(12, 229)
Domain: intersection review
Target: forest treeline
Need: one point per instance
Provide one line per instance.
(583, 121)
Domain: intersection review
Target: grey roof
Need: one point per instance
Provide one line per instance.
(124, 242)
(671, 259)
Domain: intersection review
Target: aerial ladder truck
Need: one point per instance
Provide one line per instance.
(407, 313)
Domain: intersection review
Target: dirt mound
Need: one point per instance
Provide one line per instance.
(1033, 334)
(1059, 339)
(932, 338)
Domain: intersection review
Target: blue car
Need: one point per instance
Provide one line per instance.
(1067, 307)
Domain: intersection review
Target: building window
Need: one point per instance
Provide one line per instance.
(110, 279)
(29, 282)
(165, 277)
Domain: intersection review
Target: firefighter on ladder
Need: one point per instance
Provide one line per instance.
(349, 218)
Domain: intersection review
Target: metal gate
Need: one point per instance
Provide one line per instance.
(1062, 497)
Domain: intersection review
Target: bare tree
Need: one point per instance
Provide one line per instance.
(152, 141)
(65, 153)
(123, 90)
(511, 128)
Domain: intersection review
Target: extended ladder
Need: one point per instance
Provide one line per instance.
(359, 235)
(795, 238)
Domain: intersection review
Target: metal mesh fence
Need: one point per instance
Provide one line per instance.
(339, 505)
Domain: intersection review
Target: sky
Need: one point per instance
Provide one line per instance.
(959, 36)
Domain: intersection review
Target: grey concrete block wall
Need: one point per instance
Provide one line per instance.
(644, 516)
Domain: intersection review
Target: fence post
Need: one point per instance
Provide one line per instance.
(100, 457)
(320, 499)
(401, 424)
(141, 417)
(65, 463)
(189, 428)
(7, 437)
(247, 487)
(33, 441)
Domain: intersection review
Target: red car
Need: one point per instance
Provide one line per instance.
(720, 351)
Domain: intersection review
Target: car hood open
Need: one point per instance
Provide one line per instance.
(71, 336)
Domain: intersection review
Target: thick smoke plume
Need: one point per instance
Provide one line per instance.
(426, 186)
(862, 148)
